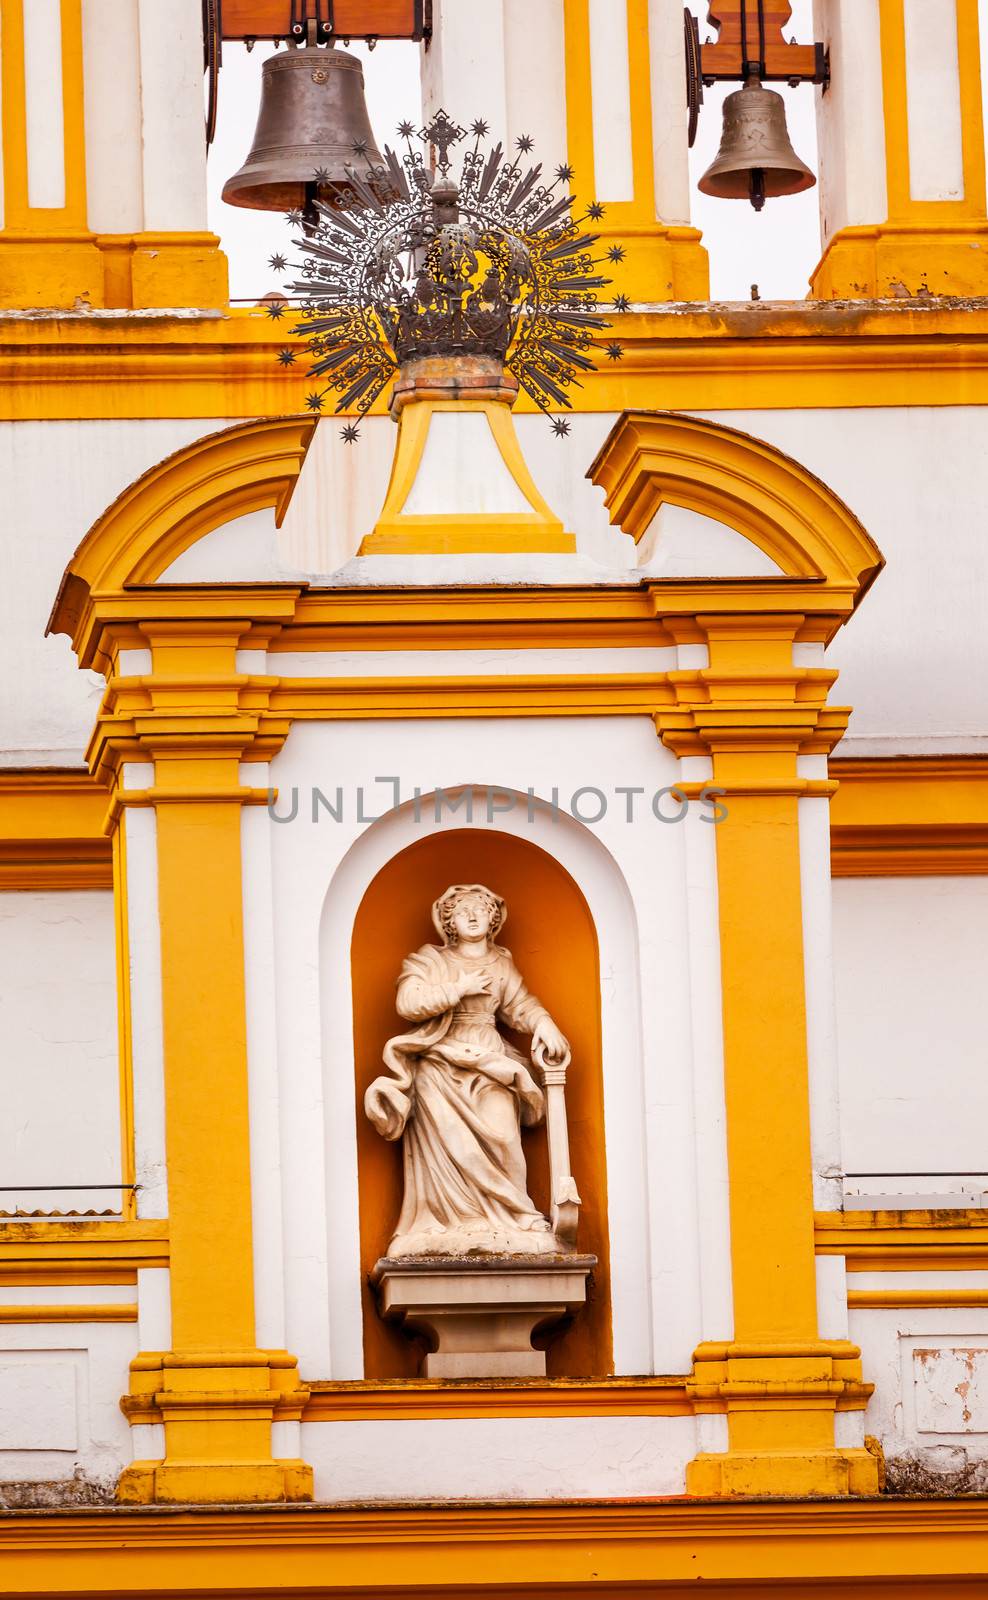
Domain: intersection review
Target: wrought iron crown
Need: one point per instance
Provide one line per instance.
(416, 262)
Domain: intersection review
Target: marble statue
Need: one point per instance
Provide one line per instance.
(458, 1093)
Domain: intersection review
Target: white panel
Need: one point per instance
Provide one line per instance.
(535, 75)
(58, 1023)
(47, 706)
(670, 151)
(909, 961)
(467, 663)
(933, 87)
(610, 76)
(917, 478)
(112, 77)
(60, 1388)
(1, 139)
(821, 1016)
(45, 116)
(463, 69)
(147, 1048)
(648, 1049)
(680, 543)
(850, 116)
(37, 1403)
(241, 551)
(499, 1458)
(462, 470)
(174, 150)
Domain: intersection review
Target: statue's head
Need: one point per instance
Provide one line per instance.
(468, 911)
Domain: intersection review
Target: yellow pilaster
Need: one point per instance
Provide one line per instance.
(215, 1392)
(778, 1382)
(663, 261)
(935, 246)
(49, 256)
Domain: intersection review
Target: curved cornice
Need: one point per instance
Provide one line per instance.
(655, 458)
(245, 468)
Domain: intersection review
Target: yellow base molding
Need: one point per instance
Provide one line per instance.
(260, 1482)
(824, 1474)
(57, 271)
(87, 271)
(854, 1550)
(780, 1401)
(661, 263)
(217, 1408)
(422, 1399)
(152, 270)
(901, 259)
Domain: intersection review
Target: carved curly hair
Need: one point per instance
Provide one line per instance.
(444, 909)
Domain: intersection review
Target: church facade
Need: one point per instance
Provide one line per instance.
(642, 1243)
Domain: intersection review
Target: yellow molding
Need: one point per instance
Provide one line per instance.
(909, 816)
(36, 1253)
(98, 1311)
(599, 1547)
(225, 475)
(682, 357)
(895, 1299)
(398, 532)
(905, 1241)
(924, 246)
(651, 459)
(369, 1401)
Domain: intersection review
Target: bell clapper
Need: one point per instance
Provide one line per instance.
(757, 191)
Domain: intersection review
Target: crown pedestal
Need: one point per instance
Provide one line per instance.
(460, 484)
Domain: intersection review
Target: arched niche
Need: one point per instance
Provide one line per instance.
(551, 933)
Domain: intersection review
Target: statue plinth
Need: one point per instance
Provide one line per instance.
(481, 1311)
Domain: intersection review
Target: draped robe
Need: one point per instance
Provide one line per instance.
(459, 1093)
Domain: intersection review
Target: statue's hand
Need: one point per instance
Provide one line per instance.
(549, 1042)
(473, 983)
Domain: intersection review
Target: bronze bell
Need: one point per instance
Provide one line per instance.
(755, 160)
(312, 120)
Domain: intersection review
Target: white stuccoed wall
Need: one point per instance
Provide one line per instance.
(58, 1026)
(909, 955)
(654, 914)
(47, 706)
(930, 1371)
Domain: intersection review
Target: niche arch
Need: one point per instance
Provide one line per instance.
(393, 918)
(598, 875)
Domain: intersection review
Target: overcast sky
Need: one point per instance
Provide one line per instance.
(776, 249)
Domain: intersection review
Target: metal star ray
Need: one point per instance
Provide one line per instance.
(385, 275)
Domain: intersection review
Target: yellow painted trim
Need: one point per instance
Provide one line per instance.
(399, 532)
(98, 1311)
(245, 468)
(907, 816)
(905, 1241)
(40, 1253)
(651, 459)
(919, 1299)
(663, 261)
(420, 1400)
(923, 246)
(51, 831)
(697, 357)
(594, 1546)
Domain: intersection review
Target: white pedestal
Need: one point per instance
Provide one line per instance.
(480, 1312)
